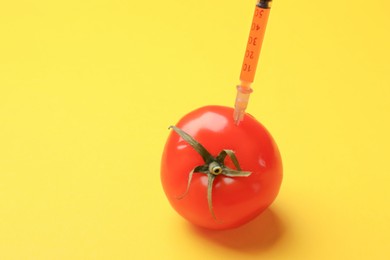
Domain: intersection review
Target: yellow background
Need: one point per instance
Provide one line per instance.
(88, 89)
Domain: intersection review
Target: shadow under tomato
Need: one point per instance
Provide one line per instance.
(258, 235)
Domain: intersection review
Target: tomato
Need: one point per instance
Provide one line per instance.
(219, 175)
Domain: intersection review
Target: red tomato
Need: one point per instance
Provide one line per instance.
(229, 201)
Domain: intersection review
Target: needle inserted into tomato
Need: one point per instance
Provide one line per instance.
(251, 58)
(218, 174)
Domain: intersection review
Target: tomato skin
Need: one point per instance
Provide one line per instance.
(236, 200)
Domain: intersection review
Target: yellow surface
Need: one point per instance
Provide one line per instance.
(88, 89)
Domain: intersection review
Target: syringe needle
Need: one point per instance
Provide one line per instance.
(252, 53)
(242, 99)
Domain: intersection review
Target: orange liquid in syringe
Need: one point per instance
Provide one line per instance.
(254, 44)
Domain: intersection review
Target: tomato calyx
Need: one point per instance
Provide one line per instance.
(212, 167)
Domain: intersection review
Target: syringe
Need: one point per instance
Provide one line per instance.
(252, 53)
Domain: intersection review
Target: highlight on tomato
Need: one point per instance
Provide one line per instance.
(219, 175)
